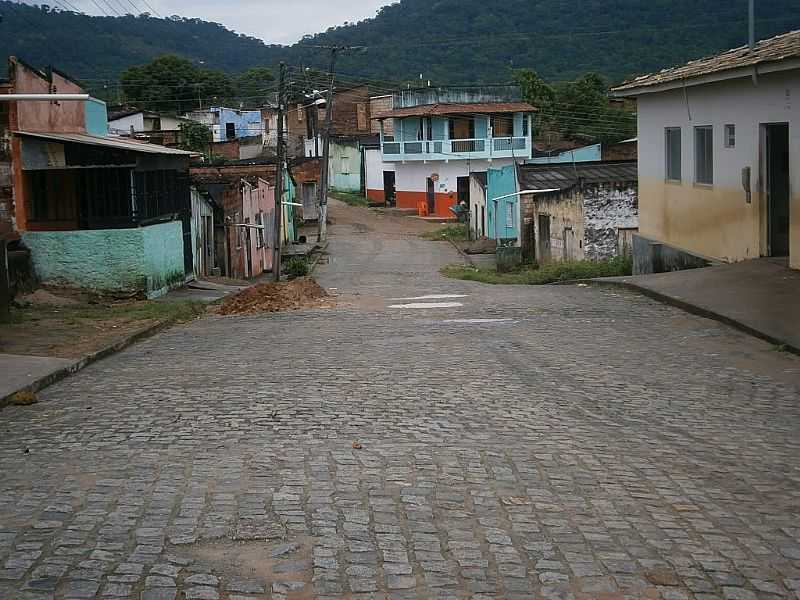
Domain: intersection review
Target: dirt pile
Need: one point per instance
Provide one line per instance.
(302, 292)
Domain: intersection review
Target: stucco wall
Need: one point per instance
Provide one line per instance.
(62, 117)
(124, 124)
(96, 115)
(477, 202)
(147, 259)
(345, 166)
(501, 182)
(716, 220)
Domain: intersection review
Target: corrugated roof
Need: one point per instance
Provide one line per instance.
(432, 110)
(108, 142)
(778, 48)
(563, 176)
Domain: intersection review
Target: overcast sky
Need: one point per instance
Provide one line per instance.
(274, 21)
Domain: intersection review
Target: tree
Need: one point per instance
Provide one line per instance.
(579, 108)
(251, 86)
(195, 137)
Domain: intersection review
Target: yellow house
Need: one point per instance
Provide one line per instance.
(719, 157)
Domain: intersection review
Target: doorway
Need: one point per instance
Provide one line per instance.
(544, 238)
(310, 201)
(776, 164)
(431, 197)
(389, 189)
(462, 186)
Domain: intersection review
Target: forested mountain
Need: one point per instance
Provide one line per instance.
(448, 41)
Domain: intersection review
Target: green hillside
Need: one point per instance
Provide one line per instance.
(455, 41)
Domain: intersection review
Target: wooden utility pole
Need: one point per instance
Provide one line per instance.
(5, 286)
(276, 256)
(326, 148)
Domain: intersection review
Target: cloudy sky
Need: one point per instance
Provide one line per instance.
(274, 21)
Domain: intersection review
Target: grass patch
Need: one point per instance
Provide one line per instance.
(179, 310)
(552, 273)
(349, 198)
(449, 233)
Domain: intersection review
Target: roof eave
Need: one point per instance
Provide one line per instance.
(726, 75)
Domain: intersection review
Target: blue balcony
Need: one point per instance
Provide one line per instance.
(485, 148)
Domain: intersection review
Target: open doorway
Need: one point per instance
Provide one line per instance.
(776, 178)
(431, 196)
(389, 189)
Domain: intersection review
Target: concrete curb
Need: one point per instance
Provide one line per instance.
(82, 363)
(691, 308)
(317, 256)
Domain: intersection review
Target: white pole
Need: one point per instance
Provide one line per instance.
(43, 97)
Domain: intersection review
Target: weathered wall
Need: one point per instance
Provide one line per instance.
(63, 117)
(6, 188)
(345, 166)
(716, 220)
(378, 105)
(162, 245)
(567, 225)
(147, 259)
(607, 209)
(477, 201)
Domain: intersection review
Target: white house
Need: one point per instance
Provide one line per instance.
(719, 157)
(439, 136)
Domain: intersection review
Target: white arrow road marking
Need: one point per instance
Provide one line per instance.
(478, 321)
(428, 305)
(431, 297)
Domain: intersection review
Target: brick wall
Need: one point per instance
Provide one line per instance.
(378, 105)
(306, 170)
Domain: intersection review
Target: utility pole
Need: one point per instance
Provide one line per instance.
(276, 256)
(326, 148)
(752, 25)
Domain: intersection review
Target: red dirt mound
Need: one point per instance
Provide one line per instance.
(303, 292)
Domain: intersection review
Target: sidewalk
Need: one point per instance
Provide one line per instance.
(760, 297)
(34, 372)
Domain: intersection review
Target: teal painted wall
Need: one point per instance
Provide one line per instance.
(481, 128)
(345, 167)
(500, 182)
(147, 259)
(439, 128)
(96, 117)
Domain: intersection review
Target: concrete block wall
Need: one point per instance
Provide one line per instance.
(147, 259)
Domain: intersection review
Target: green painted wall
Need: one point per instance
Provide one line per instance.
(148, 259)
(345, 167)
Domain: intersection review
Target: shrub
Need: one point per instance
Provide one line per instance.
(296, 267)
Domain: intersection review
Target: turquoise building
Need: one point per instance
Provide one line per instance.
(502, 204)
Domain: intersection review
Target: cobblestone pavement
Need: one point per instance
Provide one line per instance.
(549, 442)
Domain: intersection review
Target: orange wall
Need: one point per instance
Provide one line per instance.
(376, 196)
(442, 202)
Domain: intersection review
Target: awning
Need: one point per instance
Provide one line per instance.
(117, 143)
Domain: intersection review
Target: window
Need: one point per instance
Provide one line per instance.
(704, 155)
(730, 136)
(510, 215)
(230, 131)
(673, 153)
(260, 232)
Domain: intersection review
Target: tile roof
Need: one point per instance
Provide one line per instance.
(432, 110)
(563, 176)
(771, 50)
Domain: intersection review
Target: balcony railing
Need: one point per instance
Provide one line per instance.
(506, 147)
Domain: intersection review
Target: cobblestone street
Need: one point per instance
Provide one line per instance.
(556, 442)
